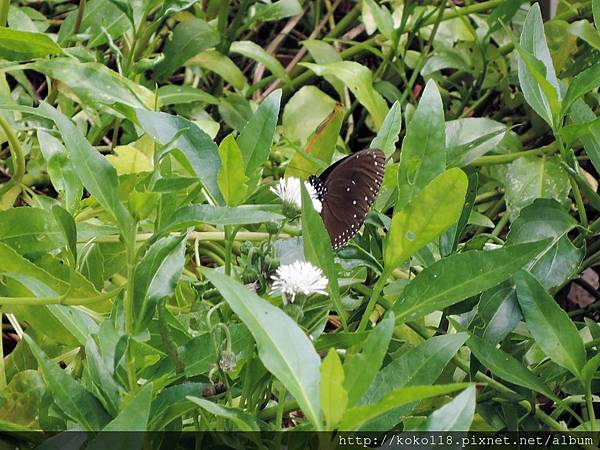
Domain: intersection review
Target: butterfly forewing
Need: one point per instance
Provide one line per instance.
(347, 190)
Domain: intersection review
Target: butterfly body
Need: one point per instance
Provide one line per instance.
(347, 190)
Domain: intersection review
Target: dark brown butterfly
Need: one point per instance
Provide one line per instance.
(347, 189)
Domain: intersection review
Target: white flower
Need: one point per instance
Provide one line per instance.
(288, 190)
(299, 277)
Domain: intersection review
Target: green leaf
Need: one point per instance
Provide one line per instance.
(590, 370)
(586, 81)
(190, 37)
(198, 148)
(156, 276)
(334, 398)
(360, 415)
(502, 14)
(536, 70)
(581, 113)
(94, 83)
(460, 276)
(21, 400)
(456, 415)
(61, 171)
(318, 249)
(256, 137)
(560, 260)
(550, 326)
(23, 45)
(382, 18)
(30, 230)
(426, 217)
(254, 51)
(304, 111)
(194, 215)
(422, 364)
(230, 179)
(470, 138)
(529, 178)
(319, 147)
(387, 136)
(68, 227)
(276, 10)
(96, 174)
(243, 420)
(596, 12)
(505, 366)
(99, 16)
(131, 422)
(172, 94)
(134, 416)
(584, 30)
(359, 80)
(220, 64)
(362, 368)
(423, 155)
(172, 403)
(497, 313)
(72, 398)
(283, 347)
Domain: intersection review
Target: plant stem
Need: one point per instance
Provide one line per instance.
(377, 289)
(280, 407)
(128, 307)
(17, 154)
(2, 369)
(590, 408)
(503, 159)
(229, 237)
(26, 301)
(200, 235)
(4, 6)
(79, 18)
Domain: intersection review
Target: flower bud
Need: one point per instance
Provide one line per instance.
(227, 361)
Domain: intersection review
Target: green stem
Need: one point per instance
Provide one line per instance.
(17, 154)
(229, 236)
(590, 408)
(33, 301)
(377, 289)
(128, 307)
(271, 412)
(200, 235)
(2, 370)
(280, 407)
(510, 157)
(78, 20)
(4, 7)
(501, 224)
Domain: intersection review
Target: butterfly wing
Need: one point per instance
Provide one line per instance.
(350, 188)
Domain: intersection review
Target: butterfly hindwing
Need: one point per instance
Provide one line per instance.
(347, 190)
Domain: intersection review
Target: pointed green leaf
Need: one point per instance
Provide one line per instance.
(70, 396)
(554, 332)
(334, 397)
(283, 347)
(230, 178)
(426, 217)
(97, 175)
(460, 276)
(423, 155)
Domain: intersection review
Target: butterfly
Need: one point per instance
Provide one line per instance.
(347, 189)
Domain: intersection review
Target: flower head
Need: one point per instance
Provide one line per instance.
(288, 190)
(299, 277)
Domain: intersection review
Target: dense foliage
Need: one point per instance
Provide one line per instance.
(143, 249)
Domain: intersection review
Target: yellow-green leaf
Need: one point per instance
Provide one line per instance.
(231, 179)
(334, 397)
